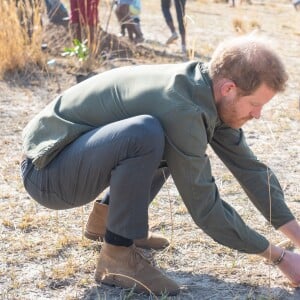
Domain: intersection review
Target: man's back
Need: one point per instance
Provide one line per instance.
(174, 94)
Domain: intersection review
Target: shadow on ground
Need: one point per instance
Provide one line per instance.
(202, 286)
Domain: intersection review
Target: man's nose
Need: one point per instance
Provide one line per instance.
(256, 113)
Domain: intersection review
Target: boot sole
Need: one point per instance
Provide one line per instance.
(113, 283)
(92, 236)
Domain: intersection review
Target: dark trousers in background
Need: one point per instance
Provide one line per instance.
(180, 12)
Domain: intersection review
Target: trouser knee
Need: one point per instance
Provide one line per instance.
(149, 134)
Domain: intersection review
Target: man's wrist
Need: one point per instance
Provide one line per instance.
(272, 254)
(280, 258)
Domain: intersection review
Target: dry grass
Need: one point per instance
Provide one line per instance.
(20, 45)
(43, 254)
(245, 26)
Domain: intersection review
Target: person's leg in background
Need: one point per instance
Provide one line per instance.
(135, 11)
(180, 11)
(123, 16)
(84, 21)
(92, 17)
(165, 7)
(123, 30)
(75, 20)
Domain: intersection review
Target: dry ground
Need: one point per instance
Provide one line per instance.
(43, 254)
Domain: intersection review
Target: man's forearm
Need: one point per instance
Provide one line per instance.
(257, 179)
(292, 231)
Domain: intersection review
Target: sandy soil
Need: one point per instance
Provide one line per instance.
(43, 254)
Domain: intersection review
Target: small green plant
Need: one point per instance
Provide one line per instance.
(80, 50)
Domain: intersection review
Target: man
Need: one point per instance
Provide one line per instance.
(128, 128)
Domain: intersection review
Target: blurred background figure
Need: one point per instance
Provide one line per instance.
(180, 12)
(296, 3)
(57, 12)
(127, 12)
(84, 20)
(232, 3)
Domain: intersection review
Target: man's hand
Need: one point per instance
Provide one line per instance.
(290, 267)
(288, 262)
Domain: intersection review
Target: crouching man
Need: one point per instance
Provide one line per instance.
(129, 128)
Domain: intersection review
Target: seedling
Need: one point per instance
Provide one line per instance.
(80, 50)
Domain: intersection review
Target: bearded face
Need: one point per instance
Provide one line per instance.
(235, 110)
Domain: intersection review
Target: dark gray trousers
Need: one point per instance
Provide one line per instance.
(124, 156)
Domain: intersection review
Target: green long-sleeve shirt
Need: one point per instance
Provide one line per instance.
(180, 96)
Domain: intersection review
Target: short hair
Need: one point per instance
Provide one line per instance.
(248, 61)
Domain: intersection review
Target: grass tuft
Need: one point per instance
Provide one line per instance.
(20, 36)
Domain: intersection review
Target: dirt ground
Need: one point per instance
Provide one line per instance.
(43, 254)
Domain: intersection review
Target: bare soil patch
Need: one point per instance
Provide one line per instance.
(43, 254)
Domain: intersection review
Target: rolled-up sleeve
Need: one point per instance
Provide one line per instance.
(257, 180)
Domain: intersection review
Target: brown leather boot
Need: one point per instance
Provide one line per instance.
(126, 267)
(96, 227)
(153, 241)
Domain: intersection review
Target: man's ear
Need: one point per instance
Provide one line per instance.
(228, 88)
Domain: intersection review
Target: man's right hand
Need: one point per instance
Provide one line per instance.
(290, 267)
